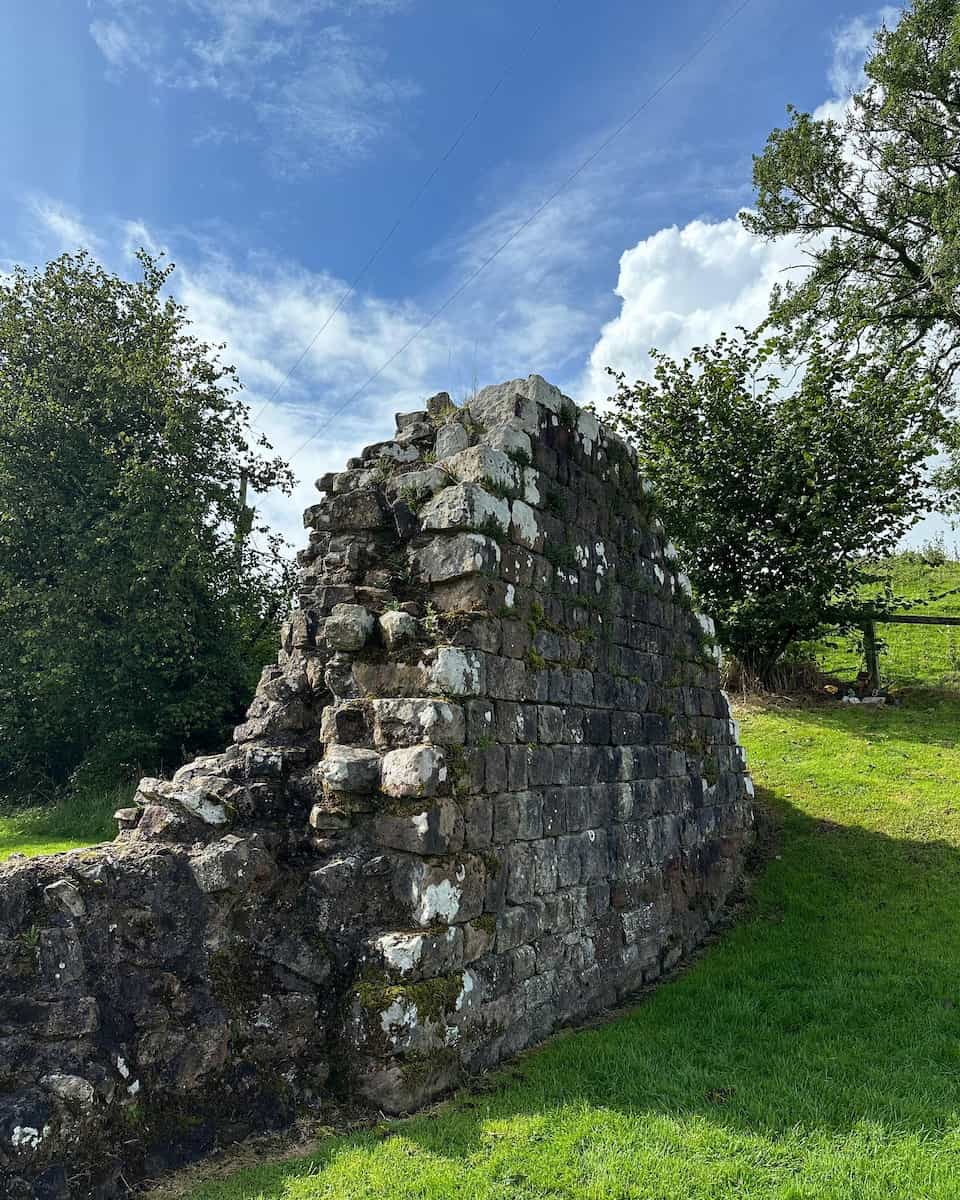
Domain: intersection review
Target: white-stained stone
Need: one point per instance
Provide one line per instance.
(397, 627)
(481, 464)
(408, 721)
(525, 525)
(511, 439)
(65, 894)
(502, 402)
(413, 771)
(465, 506)
(588, 427)
(536, 388)
(74, 1089)
(348, 627)
(450, 557)
(200, 803)
(455, 672)
(422, 955)
(417, 484)
(400, 452)
(349, 769)
(531, 487)
(451, 439)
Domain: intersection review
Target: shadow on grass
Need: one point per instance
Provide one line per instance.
(817, 1040)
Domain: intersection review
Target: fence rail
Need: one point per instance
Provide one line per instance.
(870, 637)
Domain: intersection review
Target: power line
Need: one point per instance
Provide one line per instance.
(399, 221)
(527, 222)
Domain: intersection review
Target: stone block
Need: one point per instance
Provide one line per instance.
(510, 437)
(505, 678)
(396, 628)
(356, 510)
(568, 860)
(478, 821)
(410, 721)
(550, 723)
(413, 771)
(454, 672)
(349, 769)
(516, 768)
(480, 464)
(545, 866)
(446, 558)
(446, 893)
(451, 439)
(348, 627)
(420, 955)
(520, 866)
(525, 525)
(415, 485)
(504, 403)
(436, 829)
(465, 506)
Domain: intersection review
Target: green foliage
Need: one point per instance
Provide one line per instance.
(777, 494)
(876, 197)
(137, 604)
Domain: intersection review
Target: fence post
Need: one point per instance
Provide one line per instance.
(870, 652)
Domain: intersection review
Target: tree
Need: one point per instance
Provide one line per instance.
(779, 494)
(876, 198)
(132, 619)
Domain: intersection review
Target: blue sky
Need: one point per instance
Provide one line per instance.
(269, 145)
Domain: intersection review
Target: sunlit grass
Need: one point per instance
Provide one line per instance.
(910, 654)
(76, 819)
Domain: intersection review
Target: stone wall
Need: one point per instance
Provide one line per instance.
(491, 786)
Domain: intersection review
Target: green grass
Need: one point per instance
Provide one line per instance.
(77, 819)
(914, 654)
(812, 1054)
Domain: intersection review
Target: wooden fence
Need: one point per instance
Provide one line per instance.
(870, 636)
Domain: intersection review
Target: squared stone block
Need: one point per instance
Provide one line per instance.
(413, 771)
(480, 464)
(446, 558)
(436, 829)
(404, 722)
(465, 506)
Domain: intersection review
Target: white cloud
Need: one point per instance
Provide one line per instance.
(59, 229)
(267, 311)
(338, 102)
(680, 288)
(318, 92)
(118, 43)
(852, 43)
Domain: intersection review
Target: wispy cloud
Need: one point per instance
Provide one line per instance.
(119, 43)
(57, 228)
(852, 43)
(310, 72)
(340, 102)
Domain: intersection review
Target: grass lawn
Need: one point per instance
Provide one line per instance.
(813, 1053)
(914, 654)
(77, 820)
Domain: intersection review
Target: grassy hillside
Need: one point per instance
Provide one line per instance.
(925, 654)
(76, 820)
(812, 1054)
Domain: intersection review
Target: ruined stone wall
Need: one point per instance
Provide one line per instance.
(491, 786)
